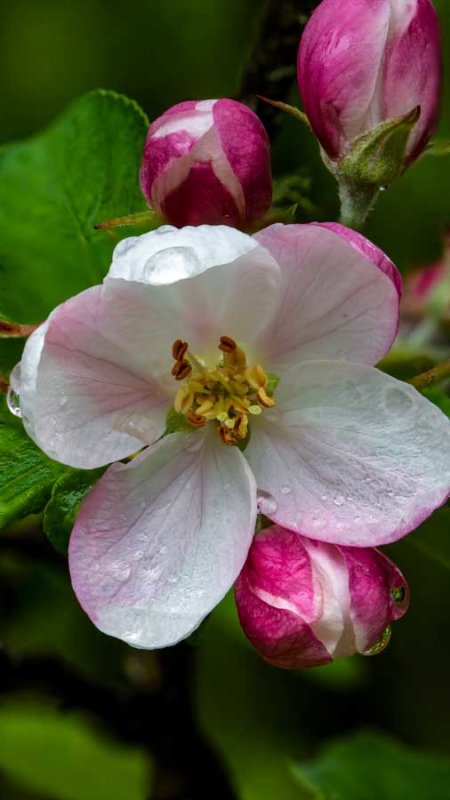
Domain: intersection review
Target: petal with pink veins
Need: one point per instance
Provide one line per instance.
(91, 390)
(350, 455)
(337, 302)
(159, 541)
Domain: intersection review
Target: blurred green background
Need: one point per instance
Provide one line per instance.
(364, 729)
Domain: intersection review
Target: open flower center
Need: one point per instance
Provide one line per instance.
(228, 393)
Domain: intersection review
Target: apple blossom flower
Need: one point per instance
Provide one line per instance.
(207, 162)
(262, 348)
(364, 62)
(304, 603)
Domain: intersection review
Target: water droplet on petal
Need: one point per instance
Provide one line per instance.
(13, 402)
(398, 594)
(285, 489)
(339, 500)
(120, 571)
(267, 505)
(382, 643)
(397, 400)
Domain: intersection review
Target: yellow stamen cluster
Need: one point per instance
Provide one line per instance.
(228, 393)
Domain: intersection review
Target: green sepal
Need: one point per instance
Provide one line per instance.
(176, 422)
(378, 157)
(272, 383)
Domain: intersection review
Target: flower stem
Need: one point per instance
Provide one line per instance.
(432, 376)
(356, 203)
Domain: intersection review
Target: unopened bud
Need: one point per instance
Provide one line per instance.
(304, 603)
(207, 162)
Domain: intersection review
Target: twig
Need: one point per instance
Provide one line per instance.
(271, 69)
(434, 375)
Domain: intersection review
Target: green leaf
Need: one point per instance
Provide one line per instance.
(53, 190)
(62, 509)
(59, 756)
(26, 474)
(371, 766)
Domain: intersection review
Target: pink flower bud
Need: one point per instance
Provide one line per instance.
(303, 603)
(427, 290)
(363, 62)
(207, 162)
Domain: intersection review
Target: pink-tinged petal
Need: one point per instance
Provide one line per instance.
(245, 143)
(375, 582)
(338, 300)
(293, 600)
(233, 285)
(90, 390)
(278, 597)
(368, 249)
(280, 636)
(169, 141)
(159, 541)
(413, 69)
(199, 198)
(349, 455)
(339, 65)
(224, 193)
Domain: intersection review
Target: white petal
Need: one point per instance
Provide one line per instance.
(350, 455)
(204, 282)
(169, 254)
(159, 541)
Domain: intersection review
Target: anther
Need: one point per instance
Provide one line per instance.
(227, 344)
(264, 399)
(196, 420)
(226, 435)
(181, 369)
(179, 349)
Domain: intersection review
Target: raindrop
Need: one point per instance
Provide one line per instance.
(398, 400)
(163, 549)
(121, 572)
(339, 500)
(267, 504)
(398, 594)
(13, 402)
(382, 643)
(285, 489)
